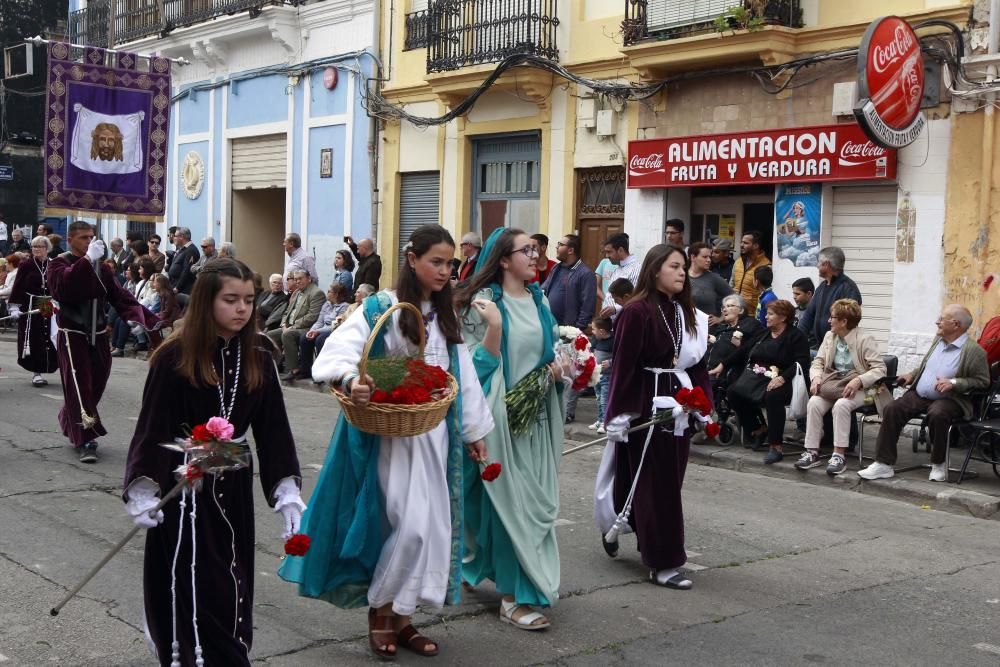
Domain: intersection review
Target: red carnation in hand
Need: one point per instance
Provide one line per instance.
(297, 545)
(712, 429)
(200, 433)
(491, 472)
(683, 395)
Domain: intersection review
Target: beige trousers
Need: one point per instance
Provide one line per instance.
(842, 409)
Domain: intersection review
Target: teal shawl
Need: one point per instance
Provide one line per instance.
(344, 518)
(486, 364)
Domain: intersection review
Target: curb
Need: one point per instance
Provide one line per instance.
(947, 497)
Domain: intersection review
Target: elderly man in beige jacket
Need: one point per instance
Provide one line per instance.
(953, 369)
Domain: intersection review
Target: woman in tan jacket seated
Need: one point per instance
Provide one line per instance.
(848, 362)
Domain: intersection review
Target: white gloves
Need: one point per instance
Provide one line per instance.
(95, 251)
(141, 499)
(289, 504)
(618, 426)
(135, 328)
(13, 312)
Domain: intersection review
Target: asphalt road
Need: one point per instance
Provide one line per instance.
(785, 573)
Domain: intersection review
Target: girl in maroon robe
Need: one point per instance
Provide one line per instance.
(35, 351)
(660, 342)
(217, 365)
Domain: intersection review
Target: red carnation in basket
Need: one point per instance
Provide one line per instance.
(297, 545)
(712, 429)
(491, 472)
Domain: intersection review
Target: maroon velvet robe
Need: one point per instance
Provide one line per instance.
(30, 281)
(74, 281)
(224, 517)
(642, 341)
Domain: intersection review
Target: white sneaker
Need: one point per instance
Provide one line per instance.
(877, 471)
(593, 427)
(939, 472)
(601, 429)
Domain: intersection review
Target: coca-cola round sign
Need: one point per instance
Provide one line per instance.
(890, 83)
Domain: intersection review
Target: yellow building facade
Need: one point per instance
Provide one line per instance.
(915, 241)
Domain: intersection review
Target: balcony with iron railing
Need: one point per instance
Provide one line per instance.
(109, 23)
(673, 19)
(463, 33)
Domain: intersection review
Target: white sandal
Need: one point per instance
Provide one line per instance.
(526, 622)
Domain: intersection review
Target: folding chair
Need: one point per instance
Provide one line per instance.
(868, 410)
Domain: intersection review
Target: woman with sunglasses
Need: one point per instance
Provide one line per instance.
(511, 332)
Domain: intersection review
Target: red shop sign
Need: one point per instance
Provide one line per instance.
(792, 155)
(890, 83)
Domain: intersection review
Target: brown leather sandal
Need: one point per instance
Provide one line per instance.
(416, 642)
(381, 626)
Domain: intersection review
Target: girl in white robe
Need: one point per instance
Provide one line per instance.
(417, 553)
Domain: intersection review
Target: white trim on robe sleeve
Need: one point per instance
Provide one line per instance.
(342, 351)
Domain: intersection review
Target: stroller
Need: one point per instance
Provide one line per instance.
(729, 425)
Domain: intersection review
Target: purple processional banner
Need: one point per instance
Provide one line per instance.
(106, 134)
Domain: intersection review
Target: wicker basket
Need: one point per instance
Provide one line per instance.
(390, 419)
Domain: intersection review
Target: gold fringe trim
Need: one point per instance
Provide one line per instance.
(83, 212)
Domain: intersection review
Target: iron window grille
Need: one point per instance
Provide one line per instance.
(473, 32)
(671, 19)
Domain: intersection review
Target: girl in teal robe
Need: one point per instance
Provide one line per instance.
(510, 522)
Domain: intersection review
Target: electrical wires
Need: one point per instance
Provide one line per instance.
(773, 79)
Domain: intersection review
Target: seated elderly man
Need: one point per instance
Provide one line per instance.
(302, 312)
(953, 368)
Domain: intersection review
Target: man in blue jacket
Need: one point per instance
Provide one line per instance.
(834, 284)
(572, 294)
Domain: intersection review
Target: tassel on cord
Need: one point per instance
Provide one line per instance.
(175, 646)
(622, 519)
(86, 420)
(199, 661)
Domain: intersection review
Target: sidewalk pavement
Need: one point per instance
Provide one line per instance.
(979, 497)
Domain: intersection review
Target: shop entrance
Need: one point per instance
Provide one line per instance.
(760, 217)
(258, 229)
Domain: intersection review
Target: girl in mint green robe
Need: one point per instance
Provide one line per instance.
(510, 522)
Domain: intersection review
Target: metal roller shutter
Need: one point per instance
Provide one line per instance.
(419, 203)
(259, 162)
(864, 226)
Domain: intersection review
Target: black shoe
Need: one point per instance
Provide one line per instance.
(569, 419)
(610, 548)
(773, 456)
(757, 442)
(88, 453)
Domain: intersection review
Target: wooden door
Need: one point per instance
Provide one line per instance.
(600, 209)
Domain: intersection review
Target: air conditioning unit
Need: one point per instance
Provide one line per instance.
(607, 123)
(18, 61)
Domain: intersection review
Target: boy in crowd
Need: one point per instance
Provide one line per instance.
(763, 276)
(802, 294)
(621, 290)
(601, 345)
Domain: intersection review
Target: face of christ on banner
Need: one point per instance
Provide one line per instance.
(106, 142)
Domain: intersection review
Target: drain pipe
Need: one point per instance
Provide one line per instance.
(989, 127)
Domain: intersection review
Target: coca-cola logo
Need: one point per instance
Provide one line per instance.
(651, 161)
(859, 150)
(885, 55)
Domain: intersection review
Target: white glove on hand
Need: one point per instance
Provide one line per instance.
(141, 499)
(617, 427)
(135, 328)
(13, 312)
(289, 504)
(95, 251)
